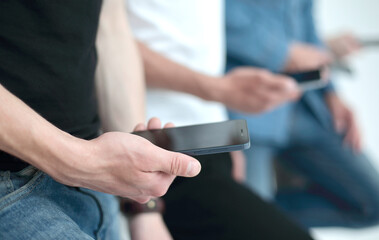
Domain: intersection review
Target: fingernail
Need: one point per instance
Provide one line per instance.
(193, 169)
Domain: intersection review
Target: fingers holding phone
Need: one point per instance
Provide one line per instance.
(177, 166)
(130, 166)
(311, 80)
(253, 90)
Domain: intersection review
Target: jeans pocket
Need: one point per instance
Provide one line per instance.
(15, 185)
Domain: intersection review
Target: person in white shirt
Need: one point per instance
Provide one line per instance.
(182, 45)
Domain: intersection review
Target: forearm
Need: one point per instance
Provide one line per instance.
(161, 72)
(119, 77)
(26, 135)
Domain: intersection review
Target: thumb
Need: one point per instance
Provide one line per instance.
(179, 165)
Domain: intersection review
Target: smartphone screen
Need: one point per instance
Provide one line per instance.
(305, 77)
(310, 80)
(201, 139)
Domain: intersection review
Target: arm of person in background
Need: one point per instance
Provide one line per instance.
(121, 92)
(343, 117)
(119, 76)
(245, 89)
(312, 53)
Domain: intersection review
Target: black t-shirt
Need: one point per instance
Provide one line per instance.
(48, 60)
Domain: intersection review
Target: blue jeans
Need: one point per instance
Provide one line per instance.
(34, 206)
(343, 188)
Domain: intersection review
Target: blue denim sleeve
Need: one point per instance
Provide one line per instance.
(250, 39)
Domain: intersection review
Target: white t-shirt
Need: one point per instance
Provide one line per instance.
(189, 32)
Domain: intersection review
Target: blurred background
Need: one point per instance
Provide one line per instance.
(361, 89)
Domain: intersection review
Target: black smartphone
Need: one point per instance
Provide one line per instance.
(369, 42)
(309, 80)
(201, 139)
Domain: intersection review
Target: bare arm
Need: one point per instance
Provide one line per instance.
(244, 89)
(161, 72)
(28, 136)
(119, 77)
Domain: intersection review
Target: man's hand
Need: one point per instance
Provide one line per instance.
(253, 90)
(343, 45)
(129, 166)
(344, 121)
(304, 57)
(148, 226)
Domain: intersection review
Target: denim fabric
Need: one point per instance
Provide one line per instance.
(343, 187)
(34, 206)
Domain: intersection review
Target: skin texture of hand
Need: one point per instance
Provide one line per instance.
(253, 90)
(344, 121)
(305, 57)
(343, 45)
(130, 166)
(148, 226)
(239, 166)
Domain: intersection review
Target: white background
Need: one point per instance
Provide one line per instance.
(361, 91)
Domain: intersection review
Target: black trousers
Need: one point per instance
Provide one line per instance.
(214, 206)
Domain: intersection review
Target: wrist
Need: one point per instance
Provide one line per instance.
(208, 87)
(60, 155)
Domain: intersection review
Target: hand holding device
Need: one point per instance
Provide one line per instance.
(254, 90)
(130, 166)
(311, 80)
(343, 45)
(305, 57)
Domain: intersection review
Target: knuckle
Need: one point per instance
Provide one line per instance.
(175, 165)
